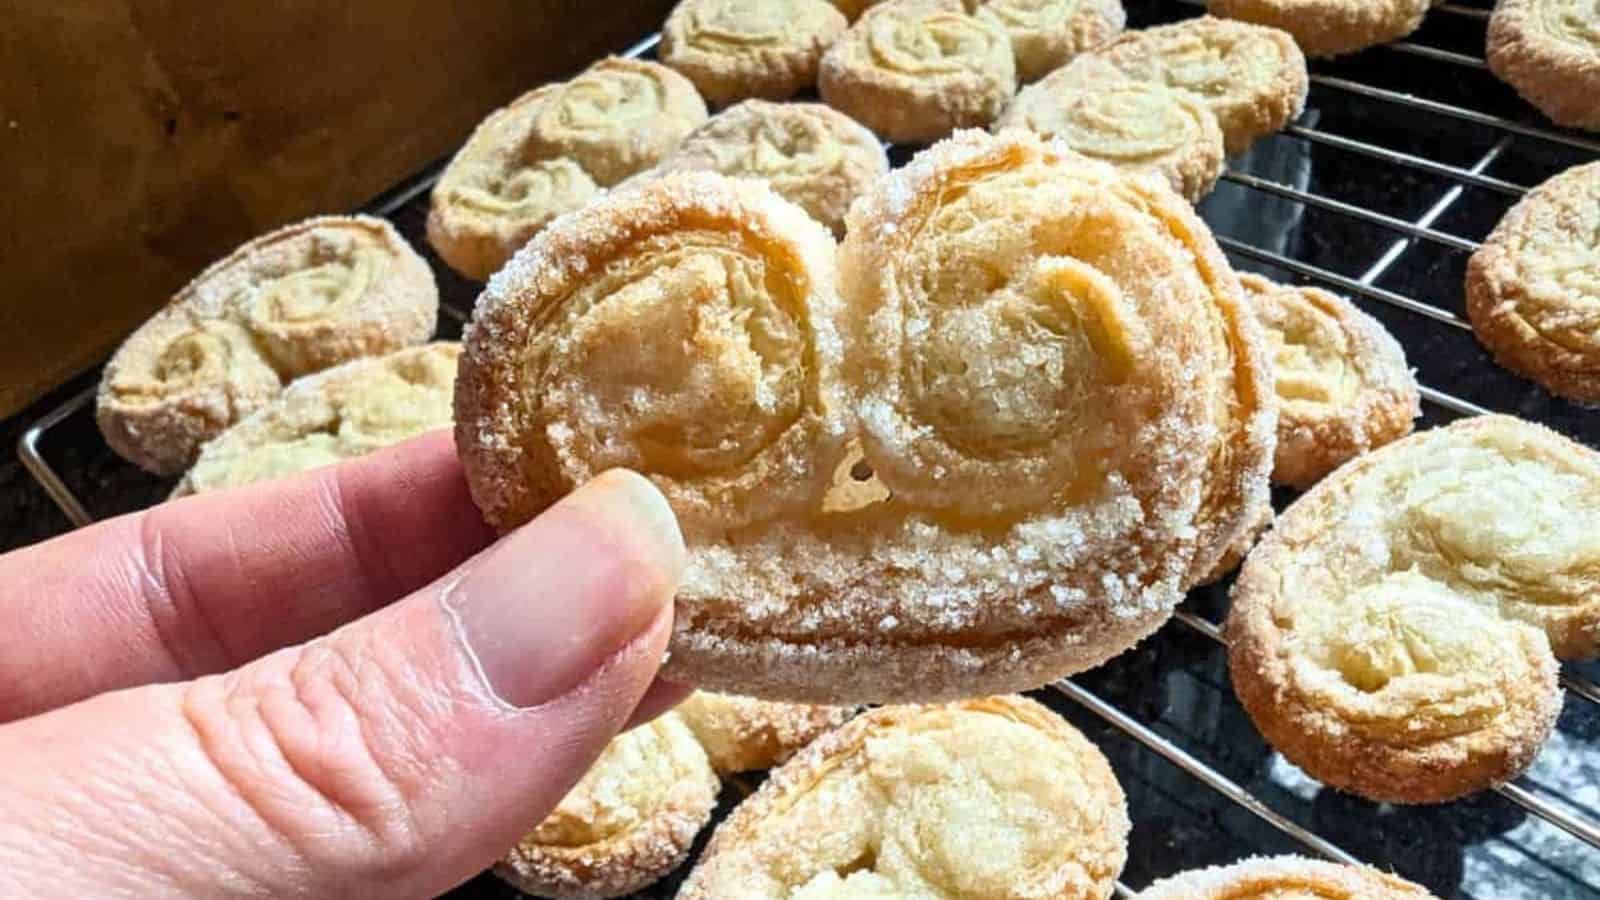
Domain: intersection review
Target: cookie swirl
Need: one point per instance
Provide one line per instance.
(626, 824)
(1253, 77)
(984, 798)
(1343, 384)
(710, 397)
(343, 412)
(810, 154)
(290, 303)
(1533, 292)
(737, 49)
(915, 70)
(1046, 34)
(1140, 126)
(1393, 635)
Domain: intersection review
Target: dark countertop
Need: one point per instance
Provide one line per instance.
(1177, 682)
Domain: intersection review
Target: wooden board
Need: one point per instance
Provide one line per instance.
(140, 140)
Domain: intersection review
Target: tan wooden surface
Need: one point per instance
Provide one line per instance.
(140, 140)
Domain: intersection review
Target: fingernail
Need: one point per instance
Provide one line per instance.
(553, 601)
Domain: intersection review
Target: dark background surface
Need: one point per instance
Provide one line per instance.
(1177, 682)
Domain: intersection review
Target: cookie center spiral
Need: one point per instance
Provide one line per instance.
(1125, 123)
(1311, 353)
(601, 101)
(741, 23)
(1217, 69)
(786, 147)
(1477, 525)
(703, 354)
(336, 281)
(1573, 21)
(929, 43)
(526, 192)
(1001, 375)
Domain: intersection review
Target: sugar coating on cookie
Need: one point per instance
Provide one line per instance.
(1139, 126)
(1549, 50)
(337, 414)
(1533, 295)
(915, 70)
(552, 150)
(983, 798)
(1253, 77)
(811, 154)
(626, 824)
(1393, 634)
(1343, 384)
(737, 49)
(298, 300)
(1330, 27)
(1046, 34)
(742, 734)
(1284, 877)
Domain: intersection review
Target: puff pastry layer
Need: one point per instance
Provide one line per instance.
(996, 797)
(1393, 634)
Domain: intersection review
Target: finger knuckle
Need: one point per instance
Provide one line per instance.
(328, 753)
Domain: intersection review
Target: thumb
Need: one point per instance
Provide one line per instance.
(402, 753)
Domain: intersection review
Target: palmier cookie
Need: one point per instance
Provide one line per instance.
(1533, 295)
(737, 49)
(915, 70)
(1330, 27)
(1139, 126)
(627, 823)
(811, 154)
(1284, 877)
(340, 413)
(742, 734)
(296, 301)
(1046, 34)
(549, 152)
(1002, 300)
(1549, 50)
(1253, 77)
(1392, 635)
(1342, 381)
(995, 797)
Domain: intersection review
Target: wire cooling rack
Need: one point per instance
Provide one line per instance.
(1405, 157)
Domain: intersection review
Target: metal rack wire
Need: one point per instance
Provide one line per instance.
(1408, 234)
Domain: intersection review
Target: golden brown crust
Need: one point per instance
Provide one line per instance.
(339, 413)
(742, 734)
(1531, 293)
(738, 49)
(853, 9)
(915, 70)
(1549, 50)
(1342, 381)
(1392, 635)
(1330, 27)
(811, 154)
(982, 798)
(549, 152)
(628, 823)
(289, 303)
(1139, 126)
(1046, 34)
(1253, 77)
(1284, 878)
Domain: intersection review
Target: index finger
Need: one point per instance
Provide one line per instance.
(206, 583)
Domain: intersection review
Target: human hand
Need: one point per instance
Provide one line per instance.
(464, 688)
